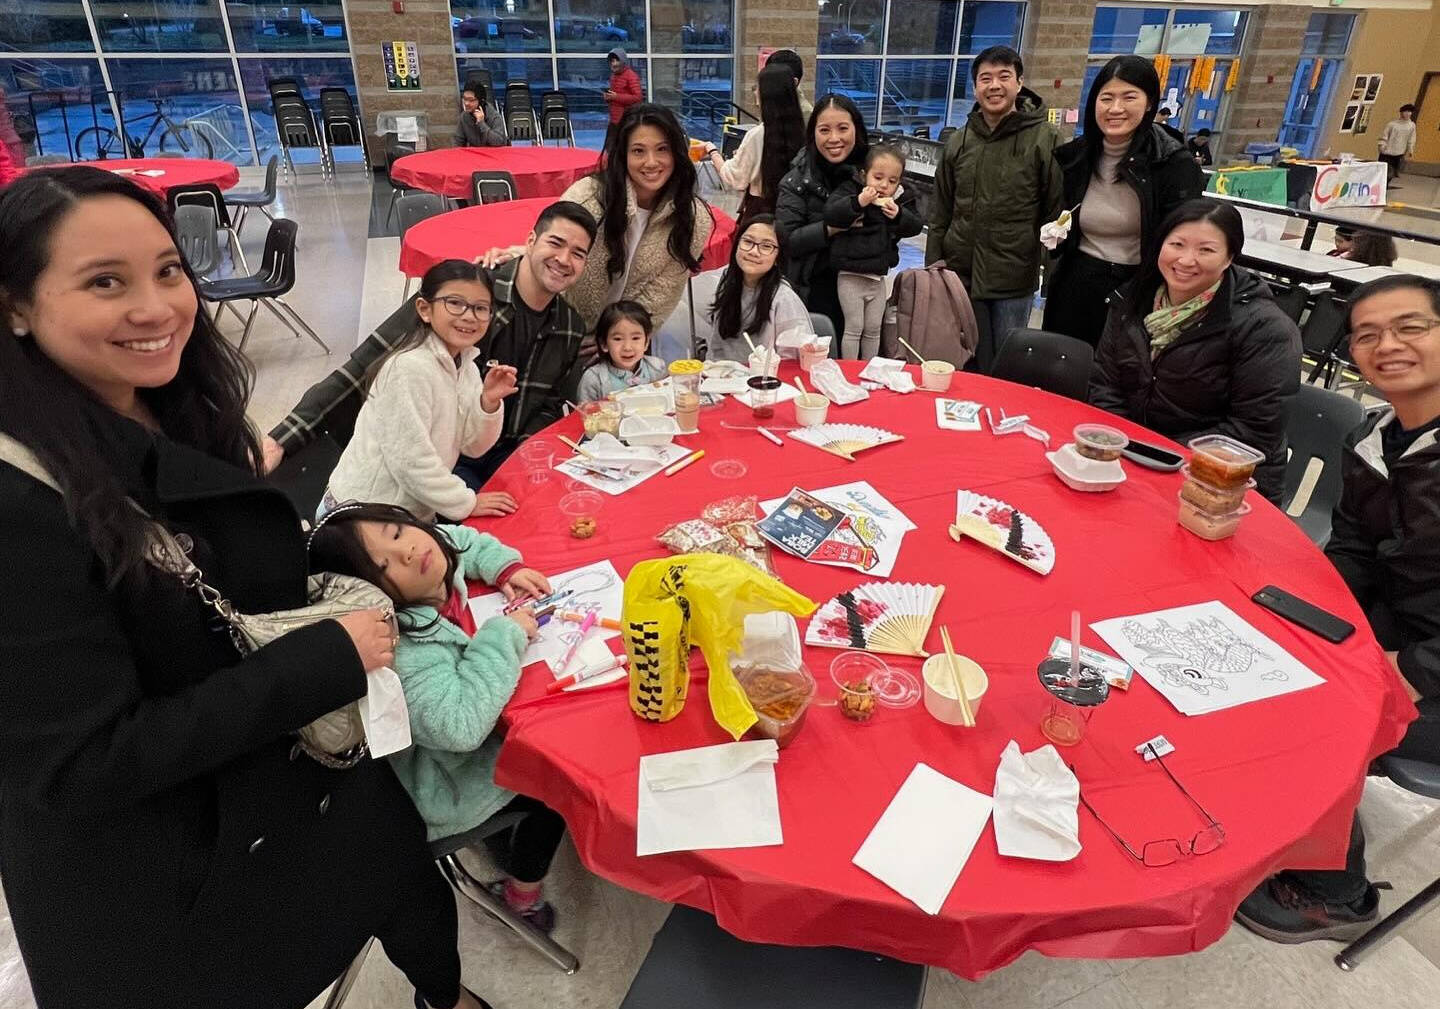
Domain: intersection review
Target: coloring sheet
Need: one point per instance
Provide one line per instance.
(617, 481)
(1205, 658)
(596, 587)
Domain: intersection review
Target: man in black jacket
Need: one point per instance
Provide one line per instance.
(1386, 545)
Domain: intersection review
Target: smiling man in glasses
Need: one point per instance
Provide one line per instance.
(1386, 545)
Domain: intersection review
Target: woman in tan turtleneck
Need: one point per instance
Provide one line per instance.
(1123, 175)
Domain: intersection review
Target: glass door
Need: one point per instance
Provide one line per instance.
(1310, 96)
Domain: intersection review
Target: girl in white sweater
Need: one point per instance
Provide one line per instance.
(427, 403)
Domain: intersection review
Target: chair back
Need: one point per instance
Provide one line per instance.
(277, 267)
(492, 187)
(1291, 299)
(412, 208)
(946, 131)
(521, 125)
(823, 326)
(557, 126)
(1316, 424)
(1323, 327)
(554, 100)
(195, 226)
(1051, 361)
(203, 194)
(272, 170)
(922, 132)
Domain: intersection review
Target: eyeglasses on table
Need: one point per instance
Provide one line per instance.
(1167, 851)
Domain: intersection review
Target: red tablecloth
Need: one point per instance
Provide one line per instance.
(1283, 776)
(466, 233)
(538, 171)
(178, 172)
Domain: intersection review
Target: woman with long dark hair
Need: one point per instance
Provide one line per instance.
(835, 148)
(156, 810)
(653, 228)
(750, 295)
(764, 156)
(1198, 346)
(1121, 177)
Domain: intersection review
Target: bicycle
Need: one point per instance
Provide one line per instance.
(96, 143)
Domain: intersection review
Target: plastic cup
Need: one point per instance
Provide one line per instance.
(538, 456)
(1070, 706)
(856, 696)
(811, 408)
(936, 375)
(812, 354)
(764, 391)
(940, 699)
(1100, 442)
(685, 378)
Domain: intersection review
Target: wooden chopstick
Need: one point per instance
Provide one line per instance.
(966, 714)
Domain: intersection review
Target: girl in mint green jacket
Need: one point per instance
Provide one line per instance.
(457, 677)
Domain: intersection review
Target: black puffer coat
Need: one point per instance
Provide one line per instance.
(1386, 545)
(871, 246)
(800, 213)
(1232, 372)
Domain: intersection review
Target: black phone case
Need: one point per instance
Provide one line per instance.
(1152, 463)
(1307, 615)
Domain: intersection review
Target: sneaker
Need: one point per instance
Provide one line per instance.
(1284, 910)
(540, 915)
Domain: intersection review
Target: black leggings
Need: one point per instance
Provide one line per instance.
(421, 936)
(526, 851)
(1078, 300)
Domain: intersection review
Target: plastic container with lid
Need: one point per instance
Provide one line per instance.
(1206, 497)
(1072, 703)
(1207, 526)
(685, 376)
(865, 684)
(1082, 474)
(780, 697)
(1100, 442)
(1221, 461)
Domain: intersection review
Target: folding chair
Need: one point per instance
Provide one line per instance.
(492, 187)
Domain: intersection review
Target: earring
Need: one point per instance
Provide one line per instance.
(20, 331)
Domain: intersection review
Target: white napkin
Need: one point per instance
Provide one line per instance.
(1052, 233)
(384, 713)
(925, 837)
(878, 368)
(607, 450)
(831, 381)
(789, 342)
(710, 797)
(1036, 799)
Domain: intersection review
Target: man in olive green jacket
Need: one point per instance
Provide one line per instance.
(996, 184)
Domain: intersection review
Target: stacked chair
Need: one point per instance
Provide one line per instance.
(555, 124)
(340, 124)
(295, 124)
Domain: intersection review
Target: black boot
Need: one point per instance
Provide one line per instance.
(420, 1002)
(1284, 909)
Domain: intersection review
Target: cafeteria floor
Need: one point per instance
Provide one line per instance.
(348, 283)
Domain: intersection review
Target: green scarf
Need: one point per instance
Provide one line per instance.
(1164, 324)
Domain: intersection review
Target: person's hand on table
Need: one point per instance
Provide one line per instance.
(499, 256)
(271, 454)
(526, 582)
(493, 504)
(500, 381)
(527, 622)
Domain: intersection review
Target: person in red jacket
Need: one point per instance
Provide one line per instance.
(624, 90)
(8, 172)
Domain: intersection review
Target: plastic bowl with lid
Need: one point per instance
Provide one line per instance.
(1222, 461)
(1210, 499)
(780, 698)
(1100, 442)
(1211, 527)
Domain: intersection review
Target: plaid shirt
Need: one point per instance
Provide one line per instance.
(550, 374)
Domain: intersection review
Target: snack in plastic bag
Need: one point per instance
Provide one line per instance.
(694, 536)
(701, 597)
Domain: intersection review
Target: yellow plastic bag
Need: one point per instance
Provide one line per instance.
(701, 598)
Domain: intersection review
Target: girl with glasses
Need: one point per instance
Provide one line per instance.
(426, 404)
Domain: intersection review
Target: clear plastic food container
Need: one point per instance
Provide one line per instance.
(1100, 442)
(1209, 498)
(1211, 527)
(780, 697)
(1222, 461)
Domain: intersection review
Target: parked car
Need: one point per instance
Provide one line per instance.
(491, 28)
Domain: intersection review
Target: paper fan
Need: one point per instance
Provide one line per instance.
(1003, 528)
(891, 617)
(844, 440)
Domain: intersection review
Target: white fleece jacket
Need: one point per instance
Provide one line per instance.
(422, 412)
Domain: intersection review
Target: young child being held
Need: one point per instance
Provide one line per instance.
(427, 404)
(875, 212)
(457, 677)
(622, 336)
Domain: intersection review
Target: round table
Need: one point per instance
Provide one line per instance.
(177, 172)
(1283, 776)
(466, 233)
(538, 171)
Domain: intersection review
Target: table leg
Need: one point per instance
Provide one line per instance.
(1310, 227)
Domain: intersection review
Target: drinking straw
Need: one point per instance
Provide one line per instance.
(1074, 648)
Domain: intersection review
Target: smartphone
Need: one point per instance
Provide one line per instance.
(1298, 611)
(1152, 456)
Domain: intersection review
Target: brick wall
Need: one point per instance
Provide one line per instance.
(1267, 69)
(425, 22)
(1057, 40)
(779, 24)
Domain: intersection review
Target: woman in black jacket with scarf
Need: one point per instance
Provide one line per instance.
(1122, 176)
(164, 841)
(836, 147)
(1198, 346)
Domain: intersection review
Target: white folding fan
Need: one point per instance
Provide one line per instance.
(1003, 528)
(844, 440)
(891, 617)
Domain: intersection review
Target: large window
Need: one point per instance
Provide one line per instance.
(906, 64)
(165, 67)
(680, 49)
(1317, 80)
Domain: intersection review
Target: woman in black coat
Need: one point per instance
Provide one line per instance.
(835, 148)
(1198, 346)
(163, 840)
(1122, 176)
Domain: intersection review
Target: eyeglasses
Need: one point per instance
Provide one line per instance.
(458, 306)
(1155, 854)
(751, 245)
(1406, 331)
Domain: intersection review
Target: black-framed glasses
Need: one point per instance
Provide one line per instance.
(458, 306)
(1170, 849)
(1406, 331)
(748, 244)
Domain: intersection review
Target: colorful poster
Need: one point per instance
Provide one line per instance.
(402, 66)
(1360, 184)
(815, 530)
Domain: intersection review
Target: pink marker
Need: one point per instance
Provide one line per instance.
(587, 674)
(585, 626)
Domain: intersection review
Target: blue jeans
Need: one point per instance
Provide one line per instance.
(997, 317)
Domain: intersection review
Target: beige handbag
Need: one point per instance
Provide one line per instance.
(336, 740)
